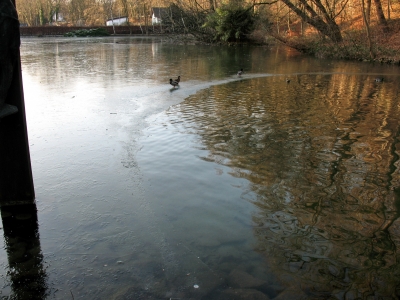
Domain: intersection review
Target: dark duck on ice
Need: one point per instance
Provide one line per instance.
(174, 83)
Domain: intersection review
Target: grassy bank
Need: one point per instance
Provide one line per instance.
(384, 48)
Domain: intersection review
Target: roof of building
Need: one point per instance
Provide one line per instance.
(119, 18)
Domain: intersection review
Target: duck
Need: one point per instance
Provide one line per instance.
(174, 83)
(178, 79)
(240, 72)
(378, 79)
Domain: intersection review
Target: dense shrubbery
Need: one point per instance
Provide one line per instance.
(87, 32)
(231, 23)
(184, 20)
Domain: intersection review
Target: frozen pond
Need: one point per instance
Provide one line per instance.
(224, 188)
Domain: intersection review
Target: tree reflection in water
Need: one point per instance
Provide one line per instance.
(321, 156)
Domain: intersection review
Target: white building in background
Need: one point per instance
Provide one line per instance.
(157, 13)
(117, 21)
(58, 17)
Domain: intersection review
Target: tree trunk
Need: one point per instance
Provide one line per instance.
(368, 11)
(278, 8)
(112, 17)
(371, 53)
(146, 20)
(213, 5)
(126, 13)
(381, 17)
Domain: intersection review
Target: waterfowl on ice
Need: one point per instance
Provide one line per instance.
(240, 72)
(178, 79)
(174, 83)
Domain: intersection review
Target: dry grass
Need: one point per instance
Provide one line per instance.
(385, 46)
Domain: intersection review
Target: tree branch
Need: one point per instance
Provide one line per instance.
(340, 11)
(266, 3)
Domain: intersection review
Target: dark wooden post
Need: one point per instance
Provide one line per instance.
(16, 182)
(17, 198)
(18, 210)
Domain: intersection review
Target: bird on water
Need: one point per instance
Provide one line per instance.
(240, 72)
(178, 79)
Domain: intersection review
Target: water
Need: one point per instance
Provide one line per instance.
(225, 188)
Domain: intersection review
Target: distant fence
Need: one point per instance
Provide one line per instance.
(60, 30)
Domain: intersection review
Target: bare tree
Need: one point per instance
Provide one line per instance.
(27, 12)
(76, 11)
(366, 22)
(324, 22)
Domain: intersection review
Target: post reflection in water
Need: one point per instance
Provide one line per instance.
(321, 158)
(26, 272)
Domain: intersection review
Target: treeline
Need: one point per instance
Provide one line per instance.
(342, 23)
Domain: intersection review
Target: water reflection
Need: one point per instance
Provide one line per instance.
(127, 209)
(26, 272)
(321, 158)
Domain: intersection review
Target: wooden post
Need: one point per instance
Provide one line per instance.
(27, 274)
(16, 182)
